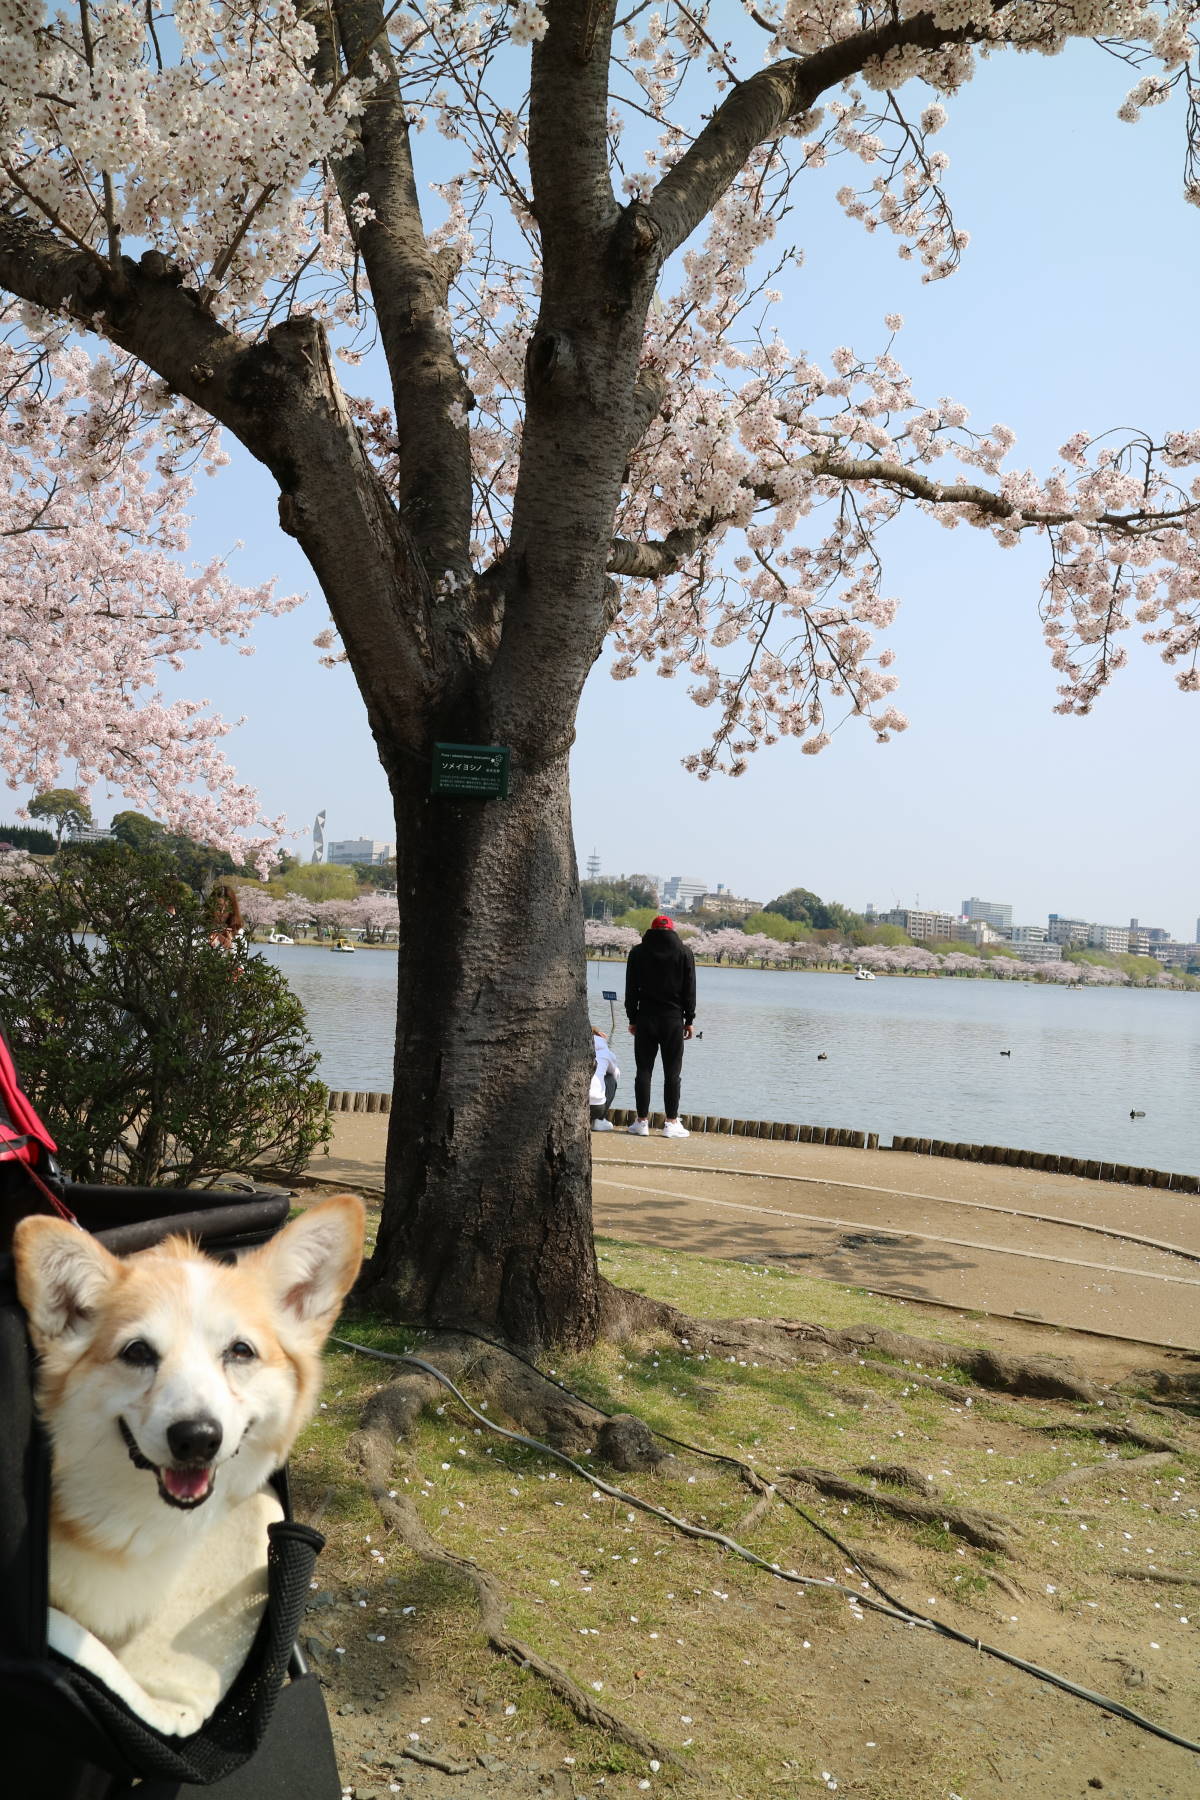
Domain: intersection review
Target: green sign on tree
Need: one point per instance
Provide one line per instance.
(470, 771)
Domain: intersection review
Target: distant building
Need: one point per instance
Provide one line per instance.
(681, 892)
(976, 931)
(993, 912)
(1029, 934)
(89, 834)
(359, 850)
(1113, 938)
(1062, 930)
(1176, 956)
(1034, 952)
(921, 926)
(729, 906)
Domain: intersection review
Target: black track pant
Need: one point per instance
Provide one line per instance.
(658, 1028)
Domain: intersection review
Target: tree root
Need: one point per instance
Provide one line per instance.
(625, 1314)
(1165, 1577)
(1006, 1586)
(900, 1476)
(1177, 1387)
(1108, 1433)
(390, 1414)
(1033, 1377)
(754, 1515)
(984, 1530)
(1118, 1466)
(949, 1390)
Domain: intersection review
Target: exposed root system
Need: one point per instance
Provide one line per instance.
(1108, 1432)
(784, 1342)
(984, 1530)
(1123, 1467)
(390, 1415)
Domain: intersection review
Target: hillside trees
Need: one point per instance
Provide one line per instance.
(806, 908)
(589, 431)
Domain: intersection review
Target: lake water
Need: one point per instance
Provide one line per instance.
(916, 1057)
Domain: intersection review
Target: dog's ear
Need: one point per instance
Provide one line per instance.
(61, 1274)
(312, 1263)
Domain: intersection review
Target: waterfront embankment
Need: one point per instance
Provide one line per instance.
(1048, 1249)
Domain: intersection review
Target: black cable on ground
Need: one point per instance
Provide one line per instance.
(894, 1609)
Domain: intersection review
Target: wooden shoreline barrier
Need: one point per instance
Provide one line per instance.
(837, 1137)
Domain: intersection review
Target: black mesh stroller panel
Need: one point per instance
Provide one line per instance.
(64, 1736)
(237, 1727)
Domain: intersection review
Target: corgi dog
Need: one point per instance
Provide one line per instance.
(171, 1387)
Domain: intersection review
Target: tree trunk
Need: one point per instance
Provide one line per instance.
(487, 1220)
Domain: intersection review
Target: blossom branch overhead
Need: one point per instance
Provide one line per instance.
(188, 187)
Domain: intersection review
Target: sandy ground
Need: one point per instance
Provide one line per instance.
(1083, 1256)
(1028, 1262)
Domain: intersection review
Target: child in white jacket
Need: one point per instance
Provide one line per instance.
(604, 1082)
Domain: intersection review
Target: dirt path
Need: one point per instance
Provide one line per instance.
(1085, 1256)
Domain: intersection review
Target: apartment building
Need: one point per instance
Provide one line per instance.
(921, 926)
(991, 912)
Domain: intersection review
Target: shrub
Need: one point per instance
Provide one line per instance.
(152, 1054)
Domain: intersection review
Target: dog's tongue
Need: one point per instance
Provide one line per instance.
(187, 1484)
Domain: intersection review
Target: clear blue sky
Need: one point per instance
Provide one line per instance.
(1074, 308)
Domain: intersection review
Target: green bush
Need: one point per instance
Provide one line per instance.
(153, 1055)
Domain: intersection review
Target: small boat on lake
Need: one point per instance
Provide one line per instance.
(345, 946)
(861, 974)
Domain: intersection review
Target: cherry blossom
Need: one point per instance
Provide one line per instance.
(224, 139)
(95, 593)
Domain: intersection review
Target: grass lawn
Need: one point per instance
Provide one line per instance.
(755, 1686)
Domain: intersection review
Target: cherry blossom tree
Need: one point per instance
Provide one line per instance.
(616, 939)
(260, 910)
(592, 430)
(95, 595)
(377, 915)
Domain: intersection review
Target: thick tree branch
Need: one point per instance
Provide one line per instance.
(651, 561)
(282, 401)
(409, 288)
(882, 473)
(568, 138)
(758, 110)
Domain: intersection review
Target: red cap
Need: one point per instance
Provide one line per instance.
(662, 923)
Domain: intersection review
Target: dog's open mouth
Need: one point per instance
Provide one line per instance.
(186, 1485)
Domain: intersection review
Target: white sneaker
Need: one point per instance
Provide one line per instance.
(673, 1128)
(602, 1125)
(639, 1128)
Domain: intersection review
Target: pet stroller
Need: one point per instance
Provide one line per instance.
(65, 1736)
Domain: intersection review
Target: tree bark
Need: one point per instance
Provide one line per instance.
(487, 1220)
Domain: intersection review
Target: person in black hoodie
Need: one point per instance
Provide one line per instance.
(660, 1003)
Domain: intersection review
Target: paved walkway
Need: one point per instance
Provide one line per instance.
(1016, 1243)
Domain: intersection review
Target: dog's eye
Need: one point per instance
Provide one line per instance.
(241, 1351)
(139, 1354)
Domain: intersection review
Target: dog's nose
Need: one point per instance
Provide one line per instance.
(194, 1440)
